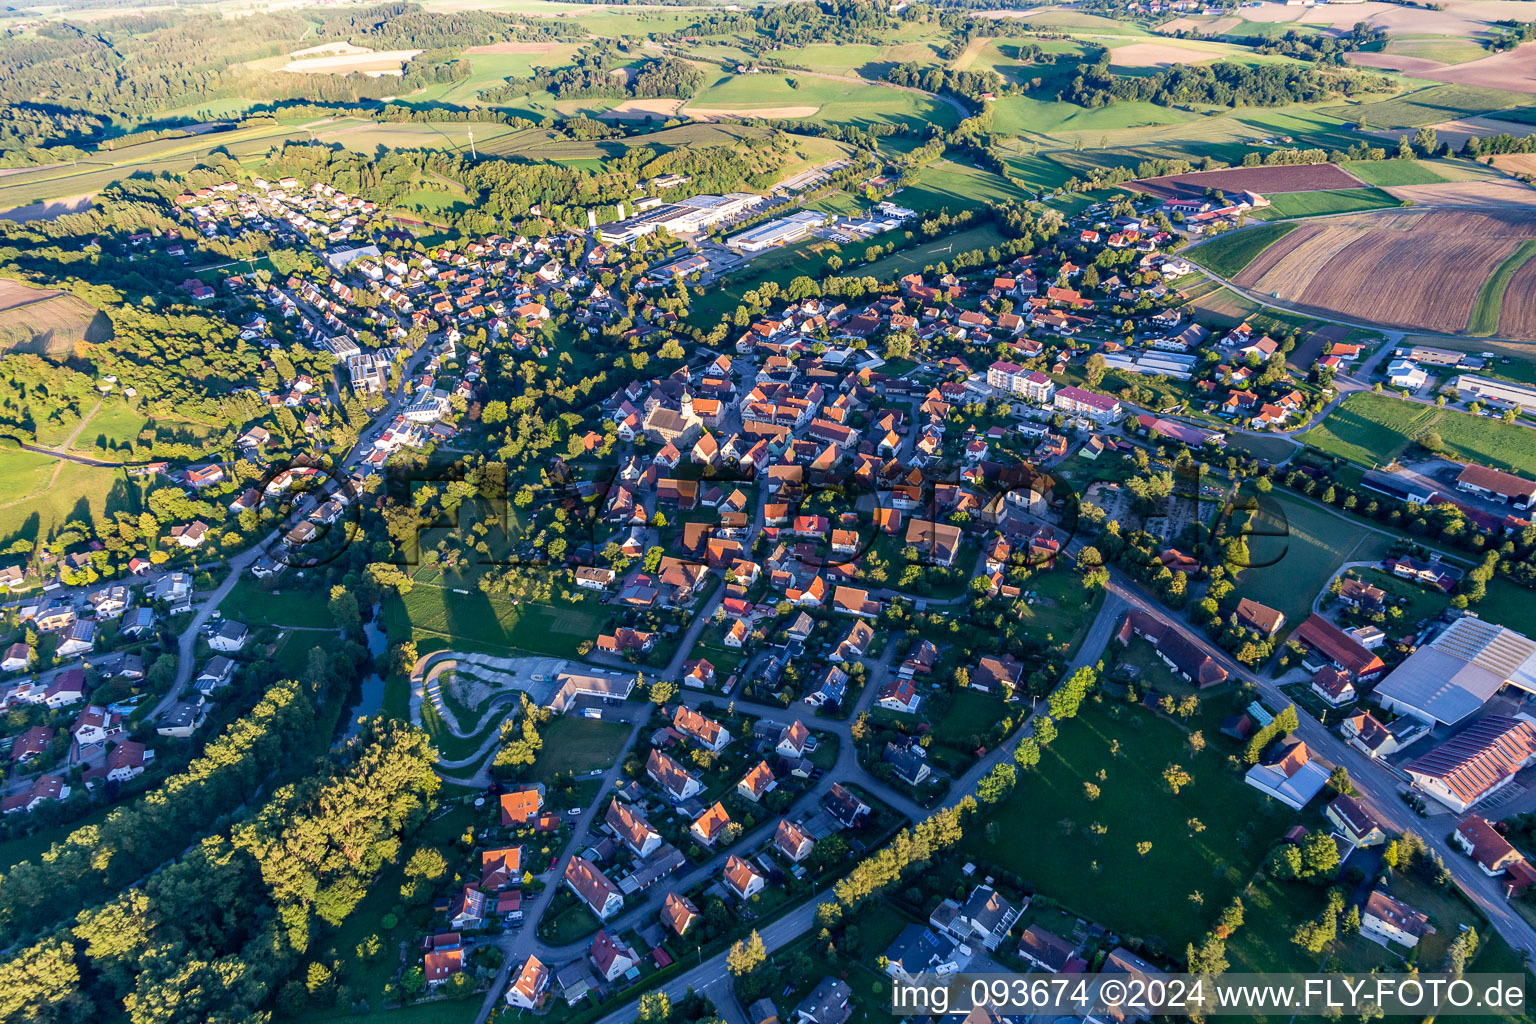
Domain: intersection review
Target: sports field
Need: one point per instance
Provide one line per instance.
(1371, 430)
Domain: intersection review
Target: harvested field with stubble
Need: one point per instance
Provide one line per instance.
(1263, 180)
(1158, 55)
(1375, 266)
(1498, 192)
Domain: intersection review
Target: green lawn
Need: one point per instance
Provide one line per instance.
(957, 186)
(1267, 447)
(482, 618)
(1393, 172)
(1285, 205)
(1490, 300)
(283, 601)
(1295, 547)
(1509, 604)
(929, 253)
(1228, 253)
(576, 746)
(1372, 429)
(969, 715)
(1104, 877)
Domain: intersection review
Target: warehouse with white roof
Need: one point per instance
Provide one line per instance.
(1456, 673)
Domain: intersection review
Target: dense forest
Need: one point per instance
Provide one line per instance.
(1223, 83)
(219, 934)
(601, 71)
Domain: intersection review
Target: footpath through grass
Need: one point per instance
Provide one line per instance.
(1227, 254)
(1484, 320)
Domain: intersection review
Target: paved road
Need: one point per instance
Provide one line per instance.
(711, 975)
(1376, 783)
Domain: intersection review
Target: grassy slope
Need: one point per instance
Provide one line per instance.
(1490, 300)
(1227, 254)
(1371, 429)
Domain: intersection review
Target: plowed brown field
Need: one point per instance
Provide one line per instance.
(1517, 314)
(1421, 269)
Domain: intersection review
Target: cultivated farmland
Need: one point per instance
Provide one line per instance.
(1376, 266)
(1517, 310)
(1263, 180)
(1513, 69)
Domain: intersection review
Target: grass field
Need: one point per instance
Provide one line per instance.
(279, 602)
(1429, 105)
(957, 186)
(834, 100)
(481, 618)
(934, 251)
(1490, 300)
(1388, 173)
(1093, 875)
(575, 746)
(1509, 604)
(51, 493)
(1285, 205)
(1025, 115)
(857, 58)
(1227, 254)
(1446, 50)
(1372, 429)
(1294, 548)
